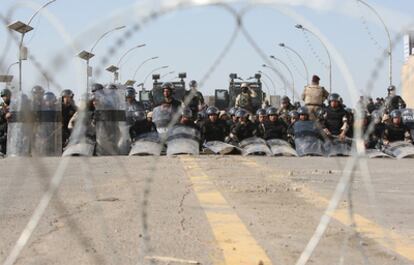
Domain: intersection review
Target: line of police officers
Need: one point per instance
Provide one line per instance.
(236, 125)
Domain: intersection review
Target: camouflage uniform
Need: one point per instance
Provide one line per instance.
(314, 96)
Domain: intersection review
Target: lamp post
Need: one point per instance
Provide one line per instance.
(23, 28)
(300, 58)
(290, 72)
(327, 52)
(125, 54)
(167, 74)
(142, 64)
(270, 79)
(87, 55)
(387, 31)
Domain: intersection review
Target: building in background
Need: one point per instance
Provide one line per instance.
(407, 77)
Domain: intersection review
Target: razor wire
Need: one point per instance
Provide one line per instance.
(346, 184)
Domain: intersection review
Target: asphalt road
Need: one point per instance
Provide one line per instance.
(207, 209)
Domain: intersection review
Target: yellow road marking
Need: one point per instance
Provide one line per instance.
(384, 237)
(238, 245)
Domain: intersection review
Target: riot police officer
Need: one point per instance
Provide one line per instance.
(141, 125)
(37, 97)
(244, 99)
(396, 130)
(193, 98)
(261, 118)
(336, 120)
(187, 119)
(244, 128)
(68, 110)
(314, 96)
(96, 87)
(214, 129)
(233, 118)
(393, 101)
(4, 116)
(285, 109)
(132, 105)
(169, 100)
(274, 128)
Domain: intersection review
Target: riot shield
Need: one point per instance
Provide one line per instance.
(147, 144)
(183, 140)
(400, 150)
(408, 120)
(375, 153)
(255, 146)
(307, 139)
(281, 148)
(335, 147)
(19, 131)
(112, 132)
(220, 148)
(47, 130)
(161, 117)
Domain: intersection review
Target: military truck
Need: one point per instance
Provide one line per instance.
(225, 99)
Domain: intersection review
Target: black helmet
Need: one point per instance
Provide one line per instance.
(5, 93)
(233, 111)
(130, 92)
(285, 99)
(294, 114)
(193, 83)
(241, 113)
(187, 113)
(212, 111)
(38, 90)
(67, 93)
(168, 86)
(271, 111)
(334, 97)
(392, 88)
(395, 114)
(49, 97)
(112, 87)
(96, 87)
(261, 112)
(303, 111)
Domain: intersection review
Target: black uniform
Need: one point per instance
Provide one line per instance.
(394, 102)
(395, 133)
(67, 113)
(275, 130)
(214, 131)
(244, 130)
(3, 131)
(334, 120)
(140, 128)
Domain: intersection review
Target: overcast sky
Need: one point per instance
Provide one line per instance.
(189, 40)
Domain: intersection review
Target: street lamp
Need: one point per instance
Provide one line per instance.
(299, 56)
(153, 71)
(126, 53)
(113, 69)
(270, 79)
(24, 28)
(142, 64)
(87, 55)
(327, 52)
(290, 72)
(388, 35)
(167, 74)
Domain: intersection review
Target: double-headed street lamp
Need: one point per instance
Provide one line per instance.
(123, 57)
(153, 71)
(300, 58)
(327, 52)
(87, 55)
(24, 28)
(290, 72)
(142, 64)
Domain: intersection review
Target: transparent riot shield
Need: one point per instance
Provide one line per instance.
(183, 140)
(47, 130)
(307, 139)
(147, 144)
(281, 148)
(375, 153)
(255, 146)
(112, 131)
(162, 116)
(335, 147)
(19, 131)
(400, 150)
(408, 120)
(220, 148)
